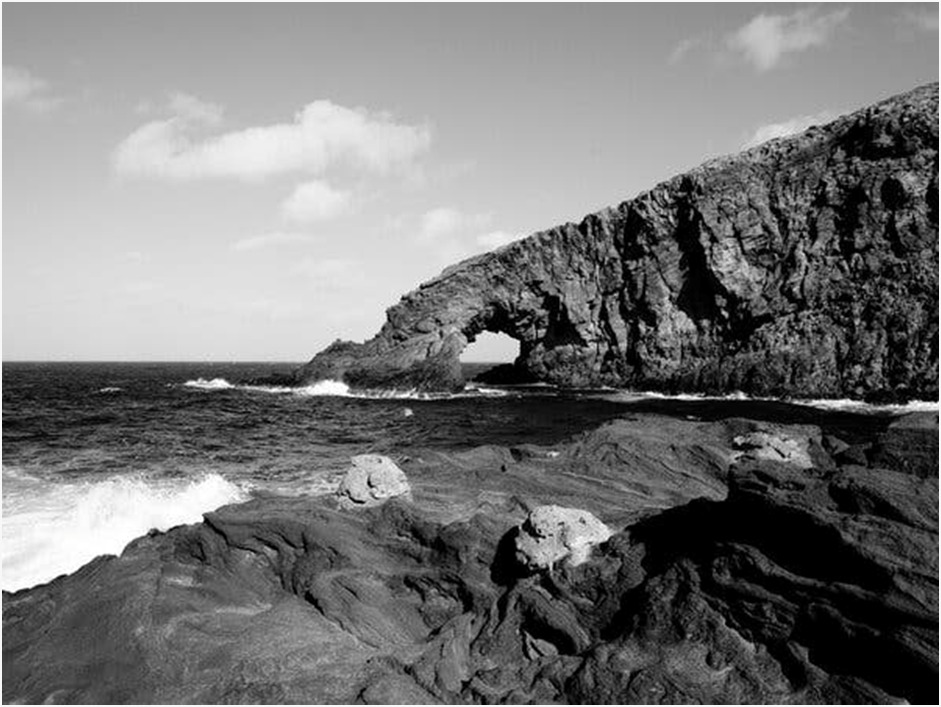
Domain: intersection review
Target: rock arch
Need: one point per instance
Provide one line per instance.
(799, 267)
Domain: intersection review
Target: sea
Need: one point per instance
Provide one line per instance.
(97, 454)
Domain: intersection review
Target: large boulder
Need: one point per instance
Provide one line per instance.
(371, 479)
(551, 534)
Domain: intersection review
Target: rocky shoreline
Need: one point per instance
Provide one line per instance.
(748, 561)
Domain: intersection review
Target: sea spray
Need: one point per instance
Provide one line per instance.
(214, 384)
(51, 528)
(339, 389)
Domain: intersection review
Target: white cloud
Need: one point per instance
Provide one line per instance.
(449, 235)
(315, 200)
(766, 39)
(788, 127)
(195, 109)
(445, 223)
(22, 88)
(925, 20)
(495, 239)
(269, 240)
(442, 221)
(683, 48)
(321, 136)
(330, 274)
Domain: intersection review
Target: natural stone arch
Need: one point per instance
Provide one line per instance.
(787, 270)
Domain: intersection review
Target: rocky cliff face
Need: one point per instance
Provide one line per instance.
(807, 266)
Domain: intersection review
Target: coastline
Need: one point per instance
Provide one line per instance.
(402, 602)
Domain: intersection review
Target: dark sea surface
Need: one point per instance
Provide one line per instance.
(95, 454)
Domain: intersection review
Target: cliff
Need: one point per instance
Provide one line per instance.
(807, 266)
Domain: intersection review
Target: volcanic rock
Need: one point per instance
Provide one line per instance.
(805, 267)
(758, 582)
(371, 479)
(551, 534)
(764, 444)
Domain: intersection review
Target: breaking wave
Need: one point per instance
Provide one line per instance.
(839, 405)
(50, 528)
(859, 406)
(205, 384)
(333, 388)
(327, 388)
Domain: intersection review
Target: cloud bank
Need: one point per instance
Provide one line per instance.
(449, 234)
(22, 88)
(925, 20)
(314, 201)
(767, 39)
(791, 126)
(495, 239)
(321, 136)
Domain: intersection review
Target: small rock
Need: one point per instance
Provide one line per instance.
(371, 480)
(834, 445)
(554, 533)
(773, 446)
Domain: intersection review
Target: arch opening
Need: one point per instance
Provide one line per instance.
(491, 347)
(491, 357)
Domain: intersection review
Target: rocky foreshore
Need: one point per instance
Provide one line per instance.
(653, 560)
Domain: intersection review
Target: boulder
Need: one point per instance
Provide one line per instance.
(773, 446)
(554, 533)
(371, 479)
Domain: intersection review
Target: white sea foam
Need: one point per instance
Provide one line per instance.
(214, 384)
(859, 406)
(50, 528)
(845, 405)
(110, 389)
(339, 389)
(325, 387)
(333, 388)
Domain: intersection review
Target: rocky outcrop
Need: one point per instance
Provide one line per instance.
(765, 442)
(371, 479)
(760, 582)
(553, 534)
(806, 267)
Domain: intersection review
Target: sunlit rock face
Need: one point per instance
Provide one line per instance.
(805, 266)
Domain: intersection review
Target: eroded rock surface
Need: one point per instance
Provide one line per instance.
(371, 479)
(806, 266)
(752, 581)
(553, 534)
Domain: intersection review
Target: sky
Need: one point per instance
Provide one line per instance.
(249, 182)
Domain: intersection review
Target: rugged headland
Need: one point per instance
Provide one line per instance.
(679, 554)
(739, 561)
(804, 267)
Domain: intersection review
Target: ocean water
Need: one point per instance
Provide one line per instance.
(96, 454)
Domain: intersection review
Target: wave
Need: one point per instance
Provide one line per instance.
(110, 389)
(839, 405)
(339, 389)
(333, 388)
(214, 384)
(860, 406)
(50, 528)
